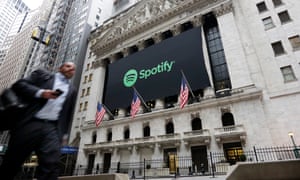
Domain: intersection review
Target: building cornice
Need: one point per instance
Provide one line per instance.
(238, 95)
(145, 16)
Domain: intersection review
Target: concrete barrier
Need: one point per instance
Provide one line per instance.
(97, 177)
(276, 170)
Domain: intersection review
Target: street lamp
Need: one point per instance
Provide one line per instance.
(291, 134)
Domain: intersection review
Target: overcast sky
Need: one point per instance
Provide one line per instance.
(33, 4)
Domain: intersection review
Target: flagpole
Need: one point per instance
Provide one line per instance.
(107, 110)
(188, 84)
(148, 109)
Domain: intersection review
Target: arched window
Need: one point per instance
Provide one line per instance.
(196, 124)
(126, 133)
(94, 137)
(146, 131)
(227, 119)
(170, 128)
(109, 135)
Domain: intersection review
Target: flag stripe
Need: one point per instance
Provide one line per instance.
(99, 114)
(184, 93)
(135, 105)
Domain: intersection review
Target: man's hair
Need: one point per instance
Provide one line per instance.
(63, 63)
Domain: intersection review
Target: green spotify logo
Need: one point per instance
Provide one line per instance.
(130, 78)
(132, 75)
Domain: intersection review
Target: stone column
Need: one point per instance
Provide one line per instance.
(159, 104)
(236, 56)
(125, 52)
(197, 21)
(140, 45)
(157, 38)
(176, 30)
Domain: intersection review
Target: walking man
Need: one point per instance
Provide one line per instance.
(44, 124)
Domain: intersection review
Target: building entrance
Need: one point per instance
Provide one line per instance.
(106, 162)
(91, 161)
(233, 152)
(199, 159)
(170, 159)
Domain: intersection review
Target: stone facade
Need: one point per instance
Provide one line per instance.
(263, 105)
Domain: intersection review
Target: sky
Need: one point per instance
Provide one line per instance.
(33, 4)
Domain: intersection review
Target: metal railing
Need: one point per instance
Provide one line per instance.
(214, 163)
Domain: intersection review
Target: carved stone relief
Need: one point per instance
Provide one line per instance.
(146, 15)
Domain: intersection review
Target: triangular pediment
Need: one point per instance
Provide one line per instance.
(146, 15)
(143, 13)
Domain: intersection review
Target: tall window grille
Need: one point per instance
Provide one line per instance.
(216, 54)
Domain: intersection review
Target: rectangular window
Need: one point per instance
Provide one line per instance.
(85, 106)
(87, 66)
(288, 74)
(278, 48)
(261, 7)
(268, 23)
(295, 42)
(97, 17)
(80, 107)
(85, 79)
(277, 3)
(88, 91)
(284, 17)
(82, 92)
(90, 77)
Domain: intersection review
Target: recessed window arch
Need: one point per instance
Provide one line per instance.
(227, 119)
(109, 135)
(126, 133)
(149, 42)
(167, 34)
(94, 137)
(146, 131)
(170, 128)
(133, 49)
(186, 26)
(196, 124)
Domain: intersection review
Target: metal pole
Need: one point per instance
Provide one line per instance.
(188, 84)
(144, 168)
(296, 152)
(142, 99)
(293, 141)
(175, 168)
(255, 154)
(212, 165)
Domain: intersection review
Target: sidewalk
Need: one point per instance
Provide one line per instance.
(217, 177)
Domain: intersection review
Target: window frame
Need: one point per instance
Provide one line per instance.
(288, 76)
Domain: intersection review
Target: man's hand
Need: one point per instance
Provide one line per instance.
(49, 94)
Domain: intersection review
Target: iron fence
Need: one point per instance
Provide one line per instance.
(216, 163)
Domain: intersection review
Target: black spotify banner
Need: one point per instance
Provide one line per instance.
(156, 71)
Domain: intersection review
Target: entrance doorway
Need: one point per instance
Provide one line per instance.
(91, 161)
(199, 159)
(233, 152)
(106, 162)
(170, 159)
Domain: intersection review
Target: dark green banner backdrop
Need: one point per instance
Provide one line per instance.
(156, 71)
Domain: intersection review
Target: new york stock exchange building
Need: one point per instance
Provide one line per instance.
(239, 61)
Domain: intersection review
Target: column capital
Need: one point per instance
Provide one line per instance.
(176, 30)
(223, 9)
(197, 21)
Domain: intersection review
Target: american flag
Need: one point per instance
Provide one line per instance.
(135, 104)
(184, 93)
(99, 114)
